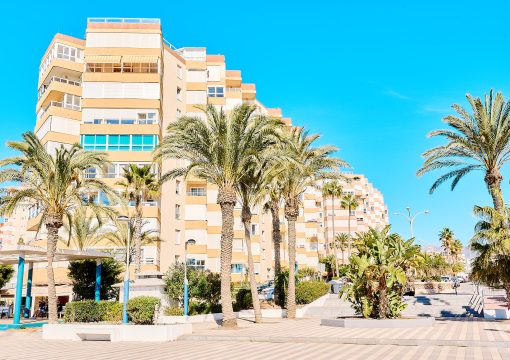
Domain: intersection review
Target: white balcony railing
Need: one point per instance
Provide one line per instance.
(57, 79)
(124, 20)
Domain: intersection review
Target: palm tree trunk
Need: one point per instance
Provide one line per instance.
(246, 218)
(493, 180)
(291, 213)
(227, 200)
(277, 239)
(53, 224)
(137, 238)
(334, 240)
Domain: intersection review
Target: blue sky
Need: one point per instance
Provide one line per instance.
(373, 78)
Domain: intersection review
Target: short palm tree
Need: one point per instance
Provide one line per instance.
(491, 242)
(456, 250)
(305, 166)
(446, 237)
(477, 141)
(349, 202)
(55, 183)
(140, 184)
(219, 149)
(342, 240)
(332, 189)
(83, 232)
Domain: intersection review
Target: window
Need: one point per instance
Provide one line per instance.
(238, 244)
(196, 263)
(111, 171)
(214, 73)
(352, 213)
(119, 142)
(123, 68)
(72, 102)
(90, 173)
(195, 191)
(179, 71)
(179, 113)
(237, 268)
(215, 91)
(179, 93)
(177, 187)
(177, 259)
(177, 237)
(253, 229)
(177, 211)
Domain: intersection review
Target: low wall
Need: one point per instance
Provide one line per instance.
(115, 333)
(379, 323)
(433, 287)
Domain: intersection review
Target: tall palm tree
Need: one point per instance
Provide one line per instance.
(477, 141)
(491, 241)
(349, 202)
(446, 237)
(140, 184)
(307, 166)
(219, 150)
(55, 183)
(456, 250)
(342, 240)
(82, 232)
(332, 189)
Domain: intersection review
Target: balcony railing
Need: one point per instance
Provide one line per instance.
(57, 79)
(124, 20)
(62, 105)
(196, 192)
(121, 122)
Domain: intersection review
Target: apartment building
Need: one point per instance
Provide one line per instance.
(117, 90)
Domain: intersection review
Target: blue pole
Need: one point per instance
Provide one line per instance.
(125, 318)
(28, 296)
(19, 290)
(185, 297)
(99, 269)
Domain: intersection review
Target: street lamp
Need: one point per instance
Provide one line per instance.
(411, 218)
(125, 319)
(189, 242)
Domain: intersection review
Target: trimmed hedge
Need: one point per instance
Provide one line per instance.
(91, 311)
(174, 311)
(243, 300)
(141, 309)
(308, 291)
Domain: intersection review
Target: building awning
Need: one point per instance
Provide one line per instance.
(143, 59)
(103, 59)
(33, 254)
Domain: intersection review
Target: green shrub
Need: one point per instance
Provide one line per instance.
(82, 311)
(308, 291)
(243, 299)
(141, 309)
(110, 311)
(174, 311)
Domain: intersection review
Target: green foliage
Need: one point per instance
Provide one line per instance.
(141, 309)
(83, 277)
(378, 273)
(197, 308)
(282, 282)
(90, 311)
(307, 272)
(458, 267)
(173, 311)
(308, 291)
(6, 272)
(243, 299)
(432, 267)
(203, 286)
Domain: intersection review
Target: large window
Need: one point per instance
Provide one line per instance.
(237, 268)
(119, 142)
(196, 263)
(123, 68)
(196, 191)
(145, 118)
(215, 91)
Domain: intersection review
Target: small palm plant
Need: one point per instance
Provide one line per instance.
(447, 238)
(332, 189)
(54, 182)
(140, 184)
(475, 142)
(349, 202)
(342, 241)
(83, 232)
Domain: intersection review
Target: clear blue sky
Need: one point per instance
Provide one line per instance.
(373, 78)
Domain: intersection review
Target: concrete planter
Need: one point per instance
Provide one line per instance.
(433, 287)
(115, 333)
(383, 323)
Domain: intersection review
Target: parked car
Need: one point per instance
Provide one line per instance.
(445, 278)
(269, 284)
(267, 294)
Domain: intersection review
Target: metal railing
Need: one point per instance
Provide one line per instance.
(167, 43)
(57, 79)
(196, 192)
(124, 20)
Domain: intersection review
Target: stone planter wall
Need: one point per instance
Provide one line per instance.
(433, 287)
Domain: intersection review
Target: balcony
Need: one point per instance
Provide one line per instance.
(233, 78)
(57, 104)
(249, 92)
(56, 89)
(124, 20)
(62, 56)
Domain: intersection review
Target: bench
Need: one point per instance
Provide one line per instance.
(495, 307)
(97, 334)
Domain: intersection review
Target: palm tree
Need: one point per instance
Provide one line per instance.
(342, 240)
(121, 235)
(55, 183)
(306, 166)
(446, 237)
(219, 150)
(140, 184)
(456, 250)
(332, 189)
(349, 202)
(491, 241)
(83, 231)
(478, 141)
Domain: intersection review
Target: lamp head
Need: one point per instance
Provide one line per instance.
(190, 242)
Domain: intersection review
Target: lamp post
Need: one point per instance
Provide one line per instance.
(125, 319)
(411, 218)
(189, 242)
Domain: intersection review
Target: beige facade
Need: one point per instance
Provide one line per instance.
(118, 90)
